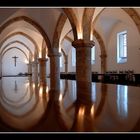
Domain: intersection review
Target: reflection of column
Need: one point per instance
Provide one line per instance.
(66, 63)
(102, 100)
(55, 70)
(42, 68)
(84, 118)
(83, 66)
(103, 63)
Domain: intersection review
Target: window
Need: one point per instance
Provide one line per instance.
(93, 55)
(122, 100)
(61, 61)
(73, 57)
(122, 47)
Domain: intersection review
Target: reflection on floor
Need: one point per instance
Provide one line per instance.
(30, 106)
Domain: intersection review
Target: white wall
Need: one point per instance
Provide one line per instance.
(133, 50)
(8, 67)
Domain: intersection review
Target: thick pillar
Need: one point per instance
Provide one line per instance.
(103, 63)
(83, 67)
(42, 68)
(35, 70)
(55, 70)
(66, 64)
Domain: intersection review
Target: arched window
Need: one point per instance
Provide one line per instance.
(73, 56)
(122, 47)
(93, 55)
(61, 64)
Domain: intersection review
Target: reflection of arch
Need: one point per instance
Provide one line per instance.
(30, 21)
(16, 41)
(5, 99)
(31, 96)
(23, 34)
(17, 49)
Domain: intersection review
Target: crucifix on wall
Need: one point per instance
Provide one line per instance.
(15, 58)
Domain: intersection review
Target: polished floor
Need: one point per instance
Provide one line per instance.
(28, 105)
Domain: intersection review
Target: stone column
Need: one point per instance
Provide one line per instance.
(66, 64)
(35, 70)
(29, 66)
(103, 63)
(83, 66)
(42, 68)
(0, 67)
(55, 70)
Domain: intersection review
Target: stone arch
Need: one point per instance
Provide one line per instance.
(103, 51)
(66, 37)
(136, 19)
(63, 52)
(131, 12)
(73, 21)
(24, 34)
(102, 48)
(30, 21)
(87, 22)
(134, 15)
(58, 30)
(66, 60)
(14, 48)
(16, 41)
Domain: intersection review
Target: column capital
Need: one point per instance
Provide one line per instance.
(42, 59)
(34, 62)
(54, 52)
(82, 43)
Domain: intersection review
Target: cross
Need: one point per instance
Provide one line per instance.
(15, 57)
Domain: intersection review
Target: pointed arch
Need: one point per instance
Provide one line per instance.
(58, 30)
(73, 21)
(134, 15)
(16, 41)
(24, 34)
(103, 51)
(17, 49)
(87, 22)
(30, 21)
(130, 11)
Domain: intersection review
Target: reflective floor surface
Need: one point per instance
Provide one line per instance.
(30, 106)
